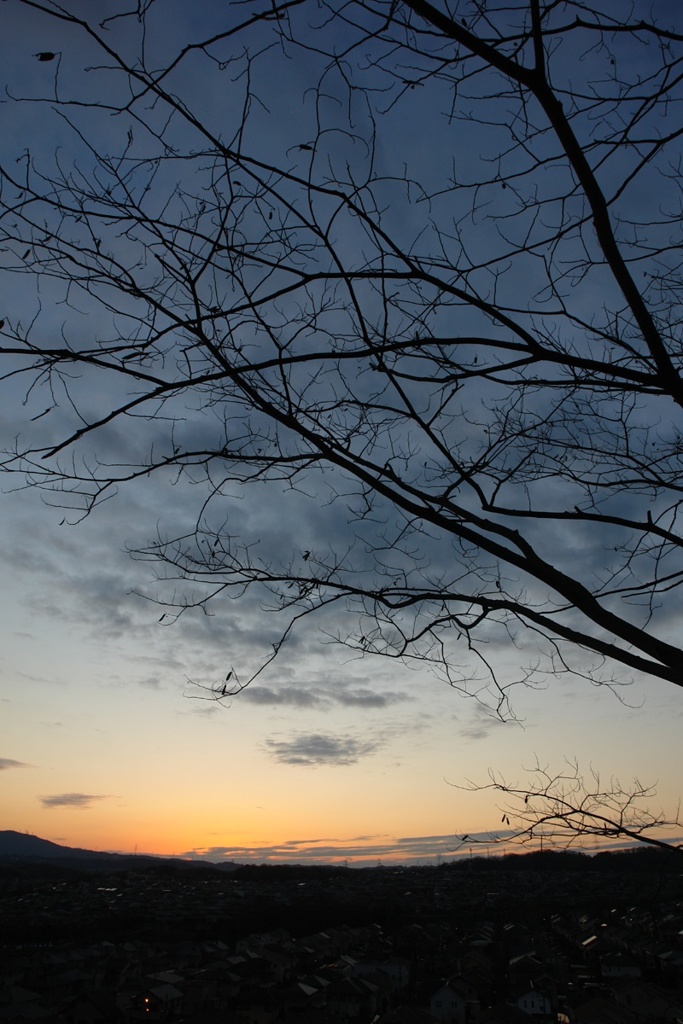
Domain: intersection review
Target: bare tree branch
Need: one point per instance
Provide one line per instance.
(561, 808)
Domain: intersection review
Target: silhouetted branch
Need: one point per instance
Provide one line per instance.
(563, 808)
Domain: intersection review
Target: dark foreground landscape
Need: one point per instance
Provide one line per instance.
(528, 939)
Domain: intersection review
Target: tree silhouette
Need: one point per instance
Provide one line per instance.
(418, 263)
(555, 808)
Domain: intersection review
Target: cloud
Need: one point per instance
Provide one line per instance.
(80, 801)
(482, 724)
(364, 698)
(312, 749)
(364, 850)
(152, 682)
(323, 698)
(293, 695)
(203, 712)
(7, 762)
(481, 731)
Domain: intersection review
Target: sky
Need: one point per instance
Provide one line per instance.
(106, 744)
(109, 736)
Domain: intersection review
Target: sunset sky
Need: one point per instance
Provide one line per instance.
(105, 746)
(109, 739)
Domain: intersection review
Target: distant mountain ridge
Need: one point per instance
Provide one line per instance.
(22, 844)
(19, 850)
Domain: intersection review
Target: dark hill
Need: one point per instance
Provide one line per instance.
(22, 852)
(21, 844)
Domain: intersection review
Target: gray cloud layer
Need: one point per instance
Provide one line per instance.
(482, 723)
(313, 749)
(363, 849)
(80, 801)
(7, 762)
(318, 697)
